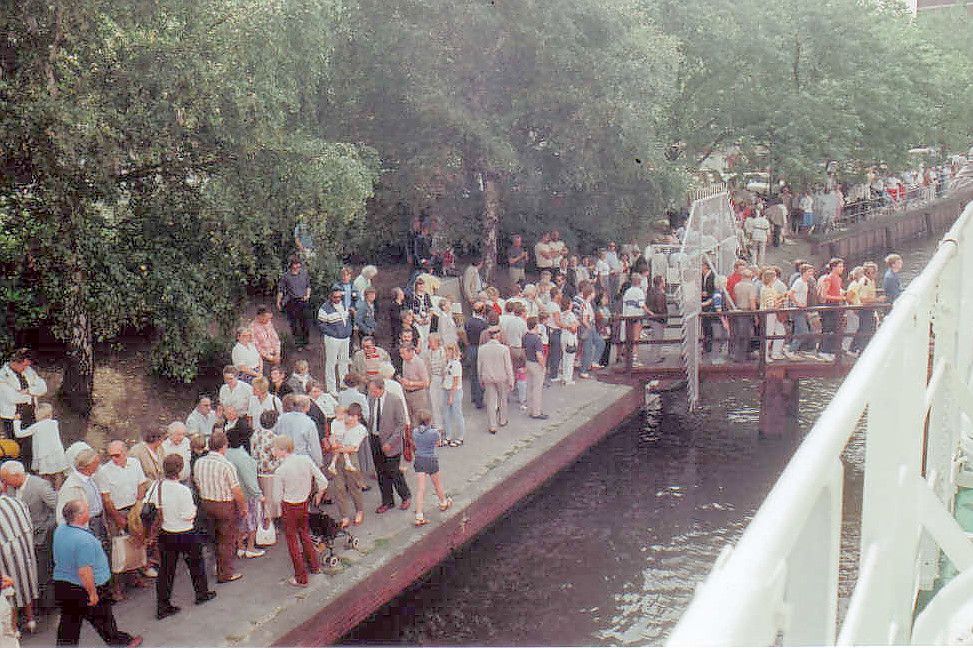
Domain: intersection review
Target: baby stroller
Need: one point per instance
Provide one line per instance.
(325, 532)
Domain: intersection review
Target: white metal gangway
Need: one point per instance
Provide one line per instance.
(779, 584)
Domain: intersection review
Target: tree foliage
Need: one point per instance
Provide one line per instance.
(155, 158)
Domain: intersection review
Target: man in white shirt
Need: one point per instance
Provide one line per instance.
(202, 419)
(126, 483)
(514, 327)
(558, 249)
(234, 392)
(543, 256)
(297, 474)
(20, 387)
(798, 296)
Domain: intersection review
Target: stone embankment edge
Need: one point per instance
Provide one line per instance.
(406, 563)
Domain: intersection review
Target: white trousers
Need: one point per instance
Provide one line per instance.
(335, 357)
(775, 327)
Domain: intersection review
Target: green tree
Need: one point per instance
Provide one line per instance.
(155, 156)
(536, 114)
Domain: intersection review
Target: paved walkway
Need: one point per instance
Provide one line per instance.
(261, 606)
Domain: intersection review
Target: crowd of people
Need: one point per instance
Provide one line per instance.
(282, 440)
(802, 326)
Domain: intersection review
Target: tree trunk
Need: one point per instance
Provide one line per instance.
(79, 363)
(491, 225)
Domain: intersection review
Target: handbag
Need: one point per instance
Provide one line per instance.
(127, 554)
(151, 514)
(266, 532)
(9, 449)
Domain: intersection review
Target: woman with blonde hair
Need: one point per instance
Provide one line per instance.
(853, 298)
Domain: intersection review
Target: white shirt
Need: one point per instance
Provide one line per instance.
(258, 407)
(245, 355)
(800, 292)
(602, 269)
(540, 249)
(633, 301)
(296, 472)
(10, 395)
(513, 328)
(178, 508)
(183, 450)
(196, 423)
(238, 397)
(123, 483)
(348, 437)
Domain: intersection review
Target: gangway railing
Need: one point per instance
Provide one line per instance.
(779, 584)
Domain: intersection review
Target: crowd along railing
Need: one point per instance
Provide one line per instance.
(779, 583)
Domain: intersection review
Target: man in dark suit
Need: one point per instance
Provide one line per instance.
(39, 497)
(387, 436)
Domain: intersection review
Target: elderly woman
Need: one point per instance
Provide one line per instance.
(177, 442)
(262, 400)
(435, 359)
(246, 357)
(364, 279)
(771, 298)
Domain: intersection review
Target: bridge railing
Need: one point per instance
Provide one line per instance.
(726, 324)
(779, 584)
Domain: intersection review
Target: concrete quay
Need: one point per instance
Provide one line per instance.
(485, 478)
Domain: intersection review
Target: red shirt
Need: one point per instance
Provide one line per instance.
(833, 288)
(732, 281)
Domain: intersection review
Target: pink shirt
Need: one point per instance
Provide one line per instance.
(265, 338)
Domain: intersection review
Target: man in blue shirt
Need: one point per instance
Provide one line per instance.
(81, 577)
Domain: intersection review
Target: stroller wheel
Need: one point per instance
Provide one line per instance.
(353, 542)
(333, 561)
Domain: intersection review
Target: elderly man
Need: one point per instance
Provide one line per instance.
(222, 499)
(39, 497)
(20, 387)
(496, 372)
(126, 482)
(387, 423)
(299, 427)
(293, 293)
(335, 322)
(369, 358)
(298, 475)
(82, 484)
(17, 558)
(149, 453)
(202, 419)
(81, 577)
(265, 338)
(415, 380)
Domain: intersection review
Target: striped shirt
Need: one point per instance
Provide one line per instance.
(215, 478)
(17, 558)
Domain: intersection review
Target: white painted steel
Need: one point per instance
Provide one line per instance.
(906, 521)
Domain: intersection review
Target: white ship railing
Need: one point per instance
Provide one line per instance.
(779, 584)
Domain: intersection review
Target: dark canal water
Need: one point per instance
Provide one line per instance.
(609, 552)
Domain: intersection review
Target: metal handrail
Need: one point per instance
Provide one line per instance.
(782, 575)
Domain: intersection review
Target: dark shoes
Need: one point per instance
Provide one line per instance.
(541, 417)
(384, 508)
(493, 431)
(206, 596)
(167, 611)
(405, 505)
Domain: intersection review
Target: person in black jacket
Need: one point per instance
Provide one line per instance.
(474, 328)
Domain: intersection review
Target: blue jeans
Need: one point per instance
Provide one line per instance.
(453, 419)
(800, 328)
(592, 348)
(476, 387)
